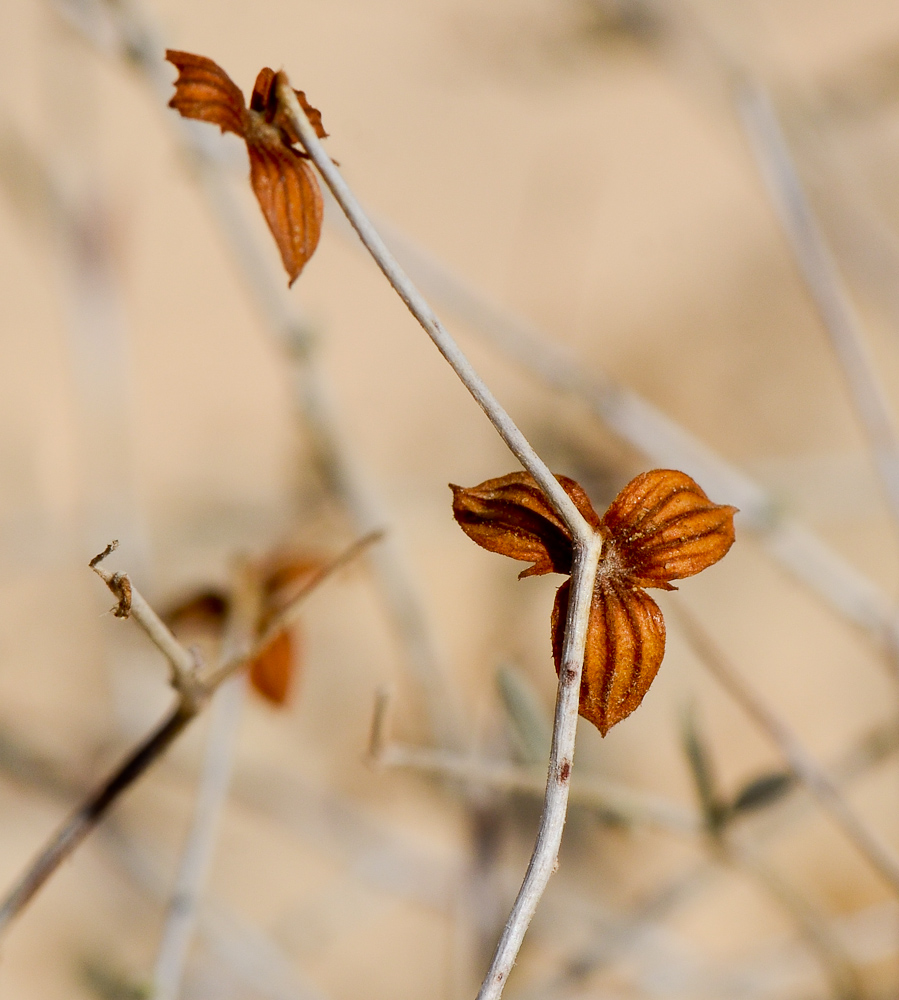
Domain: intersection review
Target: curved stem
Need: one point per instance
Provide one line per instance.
(418, 306)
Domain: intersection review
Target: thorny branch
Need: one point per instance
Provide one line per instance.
(588, 545)
(194, 692)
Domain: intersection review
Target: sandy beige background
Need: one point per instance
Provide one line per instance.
(581, 164)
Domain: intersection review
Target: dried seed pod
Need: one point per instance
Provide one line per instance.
(264, 100)
(663, 527)
(289, 197)
(660, 527)
(272, 672)
(204, 91)
(282, 180)
(512, 516)
(203, 610)
(625, 646)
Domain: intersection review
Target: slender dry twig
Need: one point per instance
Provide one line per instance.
(289, 615)
(871, 749)
(182, 661)
(251, 957)
(664, 442)
(621, 804)
(822, 278)
(193, 694)
(813, 927)
(418, 306)
(587, 551)
(196, 858)
(80, 824)
(808, 770)
(221, 743)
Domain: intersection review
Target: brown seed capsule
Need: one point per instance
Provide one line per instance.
(663, 527)
(625, 645)
(512, 516)
(660, 527)
(280, 175)
(272, 672)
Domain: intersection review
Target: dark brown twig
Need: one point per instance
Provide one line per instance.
(86, 817)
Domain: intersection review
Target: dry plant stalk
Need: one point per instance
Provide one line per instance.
(194, 689)
(734, 852)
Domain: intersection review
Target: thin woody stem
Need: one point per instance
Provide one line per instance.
(822, 278)
(89, 814)
(421, 310)
(587, 550)
(664, 443)
(555, 803)
(620, 803)
(192, 698)
(133, 604)
(212, 792)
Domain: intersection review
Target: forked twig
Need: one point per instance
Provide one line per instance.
(587, 549)
(808, 770)
(193, 692)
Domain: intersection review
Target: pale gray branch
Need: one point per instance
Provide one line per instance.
(196, 858)
(802, 763)
(815, 928)
(125, 29)
(421, 310)
(212, 793)
(133, 604)
(822, 279)
(192, 697)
